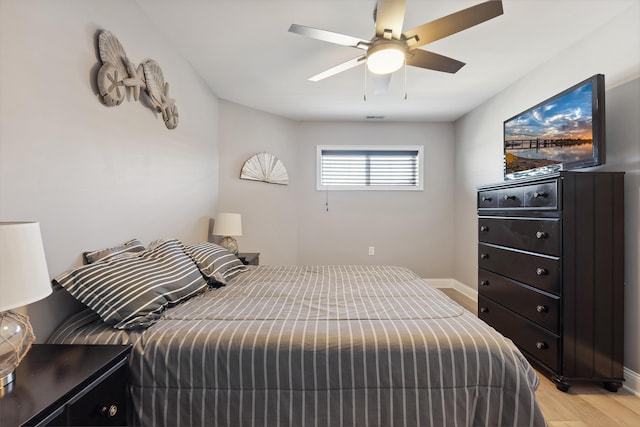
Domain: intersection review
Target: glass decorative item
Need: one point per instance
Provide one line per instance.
(16, 336)
(230, 244)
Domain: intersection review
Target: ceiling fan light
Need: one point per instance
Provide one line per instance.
(385, 58)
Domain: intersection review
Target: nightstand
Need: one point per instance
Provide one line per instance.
(68, 385)
(249, 258)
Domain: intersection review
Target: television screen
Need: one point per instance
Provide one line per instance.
(566, 131)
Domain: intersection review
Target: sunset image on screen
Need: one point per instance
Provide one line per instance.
(557, 131)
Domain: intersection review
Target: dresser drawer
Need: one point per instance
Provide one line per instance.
(543, 195)
(541, 308)
(103, 403)
(487, 199)
(531, 338)
(535, 235)
(511, 197)
(539, 271)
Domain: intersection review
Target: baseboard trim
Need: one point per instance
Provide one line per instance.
(439, 283)
(631, 381)
(632, 378)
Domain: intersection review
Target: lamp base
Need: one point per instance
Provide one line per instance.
(16, 336)
(230, 244)
(7, 379)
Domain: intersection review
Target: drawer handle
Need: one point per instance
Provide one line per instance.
(541, 271)
(541, 235)
(541, 345)
(484, 228)
(485, 199)
(109, 411)
(508, 197)
(484, 283)
(539, 194)
(484, 310)
(541, 309)
(484, 256)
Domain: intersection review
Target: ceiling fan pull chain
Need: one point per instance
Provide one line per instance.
(405, 78)
(326, 200)
(365, 83)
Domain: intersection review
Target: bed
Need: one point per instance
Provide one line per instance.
(317, 346)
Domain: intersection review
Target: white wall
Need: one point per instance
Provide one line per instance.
(290, 224)
(611, 50)
(269, 211)
(408, 228)
(94, 176)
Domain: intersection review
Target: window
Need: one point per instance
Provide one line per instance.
(369, 167)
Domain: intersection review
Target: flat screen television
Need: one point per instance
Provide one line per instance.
(566, 131)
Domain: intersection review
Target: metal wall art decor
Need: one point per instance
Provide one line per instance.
(265, 167)
(118, 73)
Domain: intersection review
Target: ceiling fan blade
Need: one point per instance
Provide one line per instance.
(389, 16)
(451, 24)
(380, 83)
(433, 61)
(338, 68)
(330, 36)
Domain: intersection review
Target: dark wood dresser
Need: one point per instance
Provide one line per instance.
(551, 272)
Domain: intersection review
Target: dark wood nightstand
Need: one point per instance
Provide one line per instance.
(249, 258)
(68, 385)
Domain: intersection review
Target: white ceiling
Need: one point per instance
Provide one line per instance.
(244, 52)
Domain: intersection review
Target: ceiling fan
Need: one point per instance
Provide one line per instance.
(390, 48)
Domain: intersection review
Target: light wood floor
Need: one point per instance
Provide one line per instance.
(584, 404)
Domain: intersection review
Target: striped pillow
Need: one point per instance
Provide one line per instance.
(132, 245)
(132, 292)
(215, 262)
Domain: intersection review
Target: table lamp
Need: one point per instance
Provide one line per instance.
(227, 225)
(24, 279)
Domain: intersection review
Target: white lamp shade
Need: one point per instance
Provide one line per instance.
(227, 224)
(24, 277)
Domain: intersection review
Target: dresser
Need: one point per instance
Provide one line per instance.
(551, 272)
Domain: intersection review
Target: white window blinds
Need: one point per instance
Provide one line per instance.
(384, 168)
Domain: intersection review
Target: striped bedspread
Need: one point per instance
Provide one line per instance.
(321, 346)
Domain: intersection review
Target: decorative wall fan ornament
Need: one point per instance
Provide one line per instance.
(158, 91)
(265, 167)
(118, 73)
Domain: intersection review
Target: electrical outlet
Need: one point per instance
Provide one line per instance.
(372, 250)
